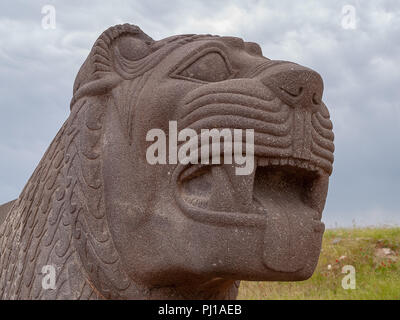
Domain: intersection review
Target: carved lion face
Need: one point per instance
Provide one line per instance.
(174, 222)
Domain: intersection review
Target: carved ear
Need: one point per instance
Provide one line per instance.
(115, 55)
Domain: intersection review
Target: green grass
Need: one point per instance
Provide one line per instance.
(377, 277)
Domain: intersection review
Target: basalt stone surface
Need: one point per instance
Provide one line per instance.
(115, 226)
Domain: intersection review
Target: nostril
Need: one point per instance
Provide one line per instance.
(295, 93)
(316, 99)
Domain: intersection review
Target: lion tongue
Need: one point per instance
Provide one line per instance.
(230, 192)
(287, 233)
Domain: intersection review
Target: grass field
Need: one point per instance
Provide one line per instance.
(377, 269)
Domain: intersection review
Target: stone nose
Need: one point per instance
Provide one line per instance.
(294, 84)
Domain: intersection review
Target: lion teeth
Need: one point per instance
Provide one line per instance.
(263, 162)
(292, 162)
(275, 162)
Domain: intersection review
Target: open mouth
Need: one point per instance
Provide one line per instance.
(275, 184)
(283, 196)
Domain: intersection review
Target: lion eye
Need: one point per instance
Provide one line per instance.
(211, 67)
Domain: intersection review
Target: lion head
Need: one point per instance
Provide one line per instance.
(143, 230)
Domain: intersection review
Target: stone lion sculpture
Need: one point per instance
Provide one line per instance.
(106, 224)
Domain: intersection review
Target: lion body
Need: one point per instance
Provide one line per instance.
(37, 232)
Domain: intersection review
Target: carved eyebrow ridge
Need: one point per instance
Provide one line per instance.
(199, 52)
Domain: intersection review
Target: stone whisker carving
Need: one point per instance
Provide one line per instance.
(114, 226)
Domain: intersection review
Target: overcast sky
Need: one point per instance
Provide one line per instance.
(358, 59)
